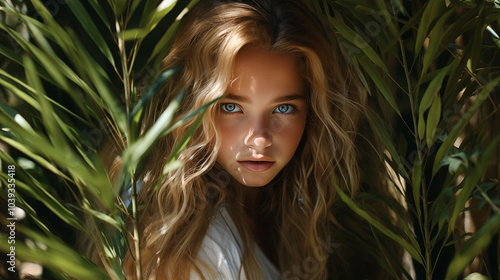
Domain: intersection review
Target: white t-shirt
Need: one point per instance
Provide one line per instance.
(222, 250)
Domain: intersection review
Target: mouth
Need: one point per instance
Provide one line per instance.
(256, 166)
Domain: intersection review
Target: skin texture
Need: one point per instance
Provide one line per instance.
(263, 116)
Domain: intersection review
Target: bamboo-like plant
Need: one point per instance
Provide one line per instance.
(71, 76)
(68, 84)
(432, 69)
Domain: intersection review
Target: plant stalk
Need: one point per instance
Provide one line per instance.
(135, 216)
(127, 87)
(425, 228)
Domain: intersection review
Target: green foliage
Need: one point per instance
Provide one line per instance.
(69, 81)
(431, 68)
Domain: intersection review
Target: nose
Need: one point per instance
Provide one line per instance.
(259, 135)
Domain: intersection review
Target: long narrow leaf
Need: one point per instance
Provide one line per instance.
(430, 92)
(462, 123)
(32, 143)
(54, 255)
(472, 179)
(36, 190)
(359, 42)
(86, 21)
(432, 11)
(136, 151)
(473, 247)
(414, 252)
(46, 110)
(382, 85)
(151, 91)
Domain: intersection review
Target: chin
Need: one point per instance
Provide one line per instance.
(254, 183)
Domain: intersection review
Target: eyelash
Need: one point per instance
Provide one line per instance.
(224, 109)
(291, 108)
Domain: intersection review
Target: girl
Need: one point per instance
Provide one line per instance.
(252, 199)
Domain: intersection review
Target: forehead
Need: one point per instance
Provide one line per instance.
(266, 71)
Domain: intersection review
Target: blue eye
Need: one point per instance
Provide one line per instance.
(230, 108)
(284, 109)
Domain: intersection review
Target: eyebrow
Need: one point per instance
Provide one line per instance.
(244, 99)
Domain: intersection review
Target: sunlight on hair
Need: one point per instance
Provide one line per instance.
(163, 229)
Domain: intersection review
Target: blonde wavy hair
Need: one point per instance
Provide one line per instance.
(177, 214)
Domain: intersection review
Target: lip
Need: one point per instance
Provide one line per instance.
(256, 166)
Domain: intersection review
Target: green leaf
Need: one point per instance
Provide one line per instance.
(433, 10)
(31, 143)
(185, 139)
(433, 120)
(429, 97)
(171, 165)
(152, 90)
(494, 36)
(421, 127)
(472, 179)
(52, 65)
(163, 44)
(416, 179)
(190, 116)
(170, 22)
(136, 151)
(101, 216)
(46, 110)
(152, 12)
(14, 115)
(99, 10)
(37, 191)
(40, 160)
(162, 10)
(381, 84)
(473, 247)
(359, 42)
(462, 123)
(119, 6)
(436, 37)
(53, 254)
(382, 133)
(86, 21)
(44, 58)
(455, 161)
(134, 34)
(100, 80)
(413, 251)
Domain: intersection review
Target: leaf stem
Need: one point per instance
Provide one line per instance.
(422, 186)
(135, 216)
(125, 70)
(127, 87)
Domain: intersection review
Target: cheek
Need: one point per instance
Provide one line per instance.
(229, 139)
(289, 131)
(228, 134)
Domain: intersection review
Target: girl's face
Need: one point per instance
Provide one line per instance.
(262, 118)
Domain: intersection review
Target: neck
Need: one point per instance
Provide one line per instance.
(261, 225)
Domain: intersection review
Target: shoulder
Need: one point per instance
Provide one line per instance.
(221, 248)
